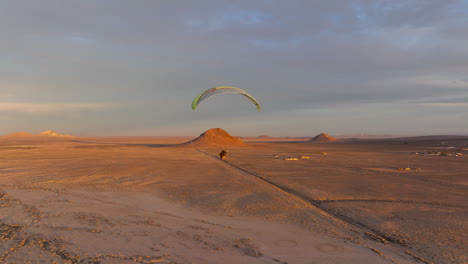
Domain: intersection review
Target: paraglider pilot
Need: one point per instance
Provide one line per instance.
(222, 154)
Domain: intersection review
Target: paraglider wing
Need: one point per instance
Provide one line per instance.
(223, 89)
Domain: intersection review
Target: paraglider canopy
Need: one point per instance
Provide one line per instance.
(223, 89)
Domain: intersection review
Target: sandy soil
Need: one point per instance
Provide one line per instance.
(147, 200)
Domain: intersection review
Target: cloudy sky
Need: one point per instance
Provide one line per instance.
(116, 67)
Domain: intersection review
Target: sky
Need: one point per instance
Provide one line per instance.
(115, 67)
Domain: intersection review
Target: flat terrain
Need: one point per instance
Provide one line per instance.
(152, 200)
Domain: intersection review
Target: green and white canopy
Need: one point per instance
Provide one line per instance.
(220, 90)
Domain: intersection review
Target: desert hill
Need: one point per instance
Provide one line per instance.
(50, 133)
(217, 136)
(19, 134)
(323, 138)
(44, 134)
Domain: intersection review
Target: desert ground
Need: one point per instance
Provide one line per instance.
(162, 200)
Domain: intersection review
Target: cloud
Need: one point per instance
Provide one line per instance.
(32, 108)
(6, 96)
(291, 55)
(457, 104)
(450, 102)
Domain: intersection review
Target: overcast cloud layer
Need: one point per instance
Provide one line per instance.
(132, 67)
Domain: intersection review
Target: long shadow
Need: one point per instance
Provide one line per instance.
(134, 144)
(374, 234)
(277, 142)
(391, 201)
(306, 142)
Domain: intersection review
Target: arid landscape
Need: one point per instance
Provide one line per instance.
(232, 132)
(71, 199)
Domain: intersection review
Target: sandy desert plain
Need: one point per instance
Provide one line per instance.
(162, 200)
